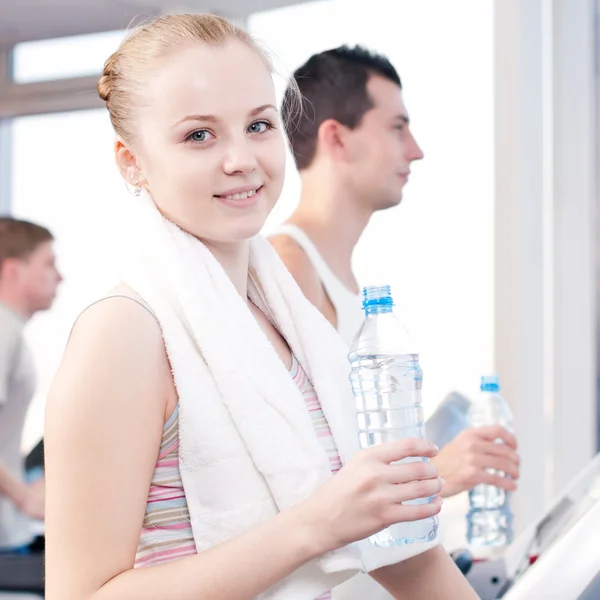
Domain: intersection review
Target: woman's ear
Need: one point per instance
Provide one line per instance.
(127, 164)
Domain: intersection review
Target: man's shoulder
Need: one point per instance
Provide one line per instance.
(306, 274)
(288, 246)
(11, 348)
(297, 262)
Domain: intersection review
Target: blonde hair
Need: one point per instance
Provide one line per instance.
(126, 71)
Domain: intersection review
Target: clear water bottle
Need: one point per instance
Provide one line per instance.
(489, 520)
(386, 381)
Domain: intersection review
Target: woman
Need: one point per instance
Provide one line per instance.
(183, 434)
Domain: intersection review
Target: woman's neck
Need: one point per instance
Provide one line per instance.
(235, 260)
(234, 257)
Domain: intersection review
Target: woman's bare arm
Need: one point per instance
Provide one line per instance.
(103, 429)
(428, 576)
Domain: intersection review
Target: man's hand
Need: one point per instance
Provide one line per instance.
(465, 461)
(28, 498)
(34, 502)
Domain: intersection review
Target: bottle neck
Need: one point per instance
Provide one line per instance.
(490, 390)
(372, 311)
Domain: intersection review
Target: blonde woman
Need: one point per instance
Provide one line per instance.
(198, 424)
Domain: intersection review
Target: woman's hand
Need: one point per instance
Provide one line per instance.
(367, 494)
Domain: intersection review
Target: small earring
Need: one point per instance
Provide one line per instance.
(137, 191)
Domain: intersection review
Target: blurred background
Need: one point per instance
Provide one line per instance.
(493, 253)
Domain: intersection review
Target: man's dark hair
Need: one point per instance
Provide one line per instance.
(18, 239)
(333, 85)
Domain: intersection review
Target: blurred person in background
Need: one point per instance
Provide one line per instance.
(28, 283)
(353, 147)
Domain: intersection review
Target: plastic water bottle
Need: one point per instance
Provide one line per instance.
(489, 520)
(386, 381)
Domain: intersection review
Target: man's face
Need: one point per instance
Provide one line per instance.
(37, 278)
(382, 148)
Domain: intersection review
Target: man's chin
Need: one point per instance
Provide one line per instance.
(388, 203)
(47, 304)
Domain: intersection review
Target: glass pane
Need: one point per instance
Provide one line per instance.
(64, 57)
(65, 178)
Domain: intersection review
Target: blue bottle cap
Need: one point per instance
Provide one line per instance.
(376, 297)
(490, 383)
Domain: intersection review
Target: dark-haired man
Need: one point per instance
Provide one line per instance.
(353, 147)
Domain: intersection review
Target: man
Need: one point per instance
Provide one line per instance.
(353, 148)
(28, 283)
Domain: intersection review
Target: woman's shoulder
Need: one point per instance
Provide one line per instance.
(116, 352)
(121, 298)
(118, 325)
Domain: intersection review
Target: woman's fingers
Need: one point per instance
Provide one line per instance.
(398, 513)
(414, 490)
(413, 471)
(398, 450)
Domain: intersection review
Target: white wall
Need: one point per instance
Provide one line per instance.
(545, 219)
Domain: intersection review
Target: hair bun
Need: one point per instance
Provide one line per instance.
(105, 87)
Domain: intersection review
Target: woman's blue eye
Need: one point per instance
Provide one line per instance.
(259, 127)
(199, 136)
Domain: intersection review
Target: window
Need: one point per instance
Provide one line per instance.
(64, 57)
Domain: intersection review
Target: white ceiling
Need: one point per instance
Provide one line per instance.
(26, 20)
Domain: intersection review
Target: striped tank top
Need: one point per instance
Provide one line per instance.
(167, 532)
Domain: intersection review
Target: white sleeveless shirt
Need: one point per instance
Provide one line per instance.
(347, 304)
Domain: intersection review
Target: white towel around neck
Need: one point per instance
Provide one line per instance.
(248, 448)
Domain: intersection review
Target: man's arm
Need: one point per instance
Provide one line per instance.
(12, 487)
(29, 500)
(428, 576)
(465, 461)
(302, 270)
(9, 344)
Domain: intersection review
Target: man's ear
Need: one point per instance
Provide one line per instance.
(8, 268)
(333, 139)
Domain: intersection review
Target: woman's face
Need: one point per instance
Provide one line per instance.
(209, 143)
